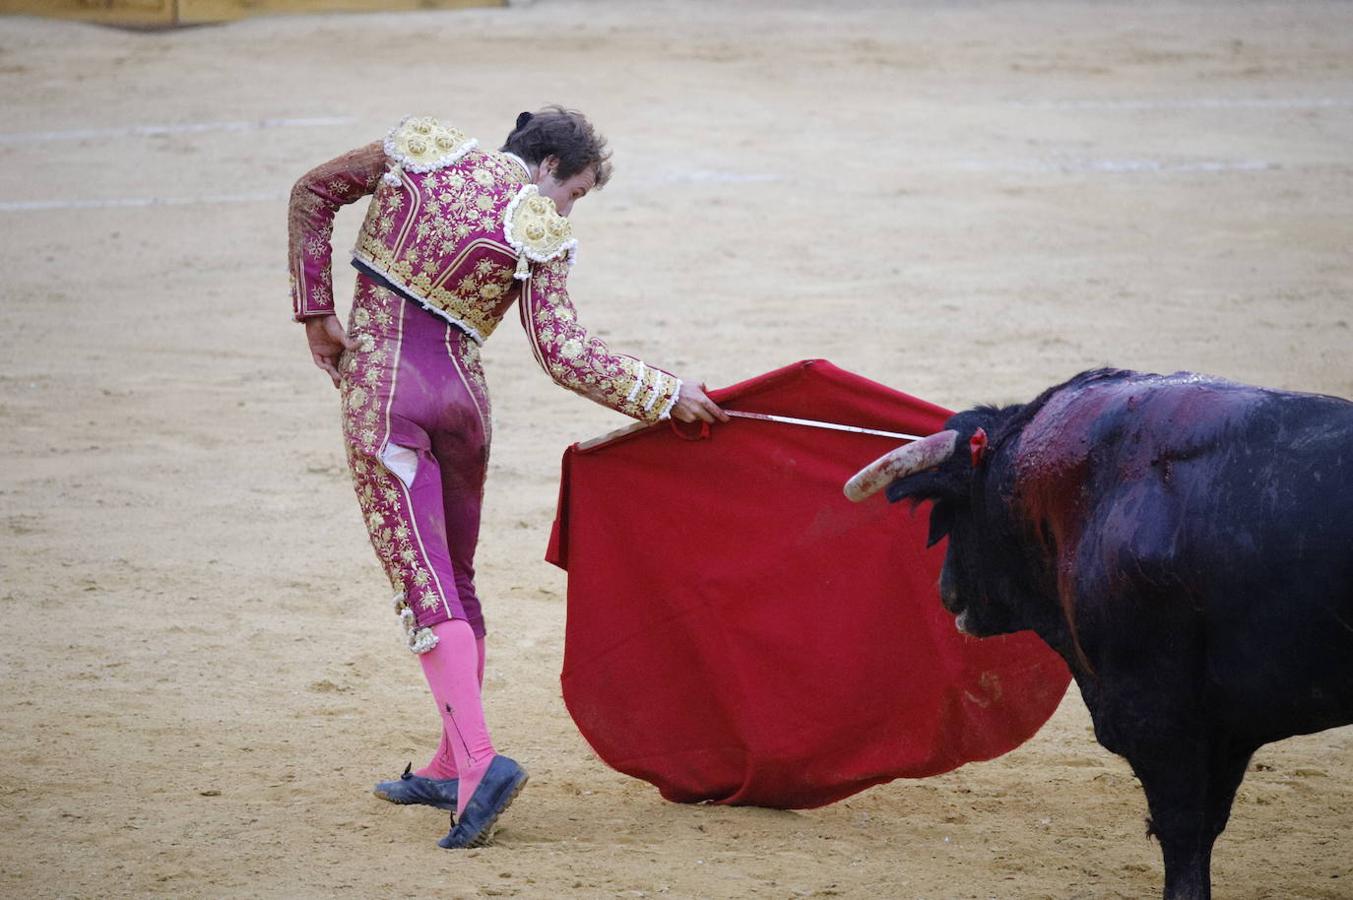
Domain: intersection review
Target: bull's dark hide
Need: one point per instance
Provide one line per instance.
(1186, 544)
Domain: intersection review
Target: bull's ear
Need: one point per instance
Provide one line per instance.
(941, 522)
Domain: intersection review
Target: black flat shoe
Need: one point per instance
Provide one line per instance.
(501, 784)
(411, 788)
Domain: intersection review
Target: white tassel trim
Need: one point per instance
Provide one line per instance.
(653, 397)
(420, 640)
(638, 382)
(667, 409)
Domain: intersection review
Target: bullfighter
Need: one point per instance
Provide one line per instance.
(454, 235)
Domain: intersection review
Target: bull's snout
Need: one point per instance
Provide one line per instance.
(949, 597)
(961, 622)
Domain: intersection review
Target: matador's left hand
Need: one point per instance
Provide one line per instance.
(327, 341)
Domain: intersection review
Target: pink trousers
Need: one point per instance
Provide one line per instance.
(416, 423)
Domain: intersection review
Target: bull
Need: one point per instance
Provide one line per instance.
(1184, 543)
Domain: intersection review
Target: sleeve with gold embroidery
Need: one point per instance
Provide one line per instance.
(582, 363)
(315, 200)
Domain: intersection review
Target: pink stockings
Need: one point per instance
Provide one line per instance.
(455, 671)
(443, 762)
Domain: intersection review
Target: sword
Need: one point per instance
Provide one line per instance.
(762, 417)
(813, 423)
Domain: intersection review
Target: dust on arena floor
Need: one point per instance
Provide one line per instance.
(965, 201)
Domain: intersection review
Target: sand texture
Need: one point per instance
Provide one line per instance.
(966, 201)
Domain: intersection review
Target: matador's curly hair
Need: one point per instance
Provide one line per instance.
(564, 134)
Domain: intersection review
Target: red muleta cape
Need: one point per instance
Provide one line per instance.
(739, 632)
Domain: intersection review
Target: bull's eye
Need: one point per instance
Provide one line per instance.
(941, 522)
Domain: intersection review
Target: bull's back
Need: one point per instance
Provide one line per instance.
(1272, 545)
(1224, 508)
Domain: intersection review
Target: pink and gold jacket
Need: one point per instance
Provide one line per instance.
(461, 232)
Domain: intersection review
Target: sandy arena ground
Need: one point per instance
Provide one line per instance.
(967, 201)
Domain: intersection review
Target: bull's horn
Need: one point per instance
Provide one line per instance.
(905, 460)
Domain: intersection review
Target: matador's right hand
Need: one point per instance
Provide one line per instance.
(692, 404)
(327, 341)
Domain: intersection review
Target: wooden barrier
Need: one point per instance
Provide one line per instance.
(108, 12)
(163, 13)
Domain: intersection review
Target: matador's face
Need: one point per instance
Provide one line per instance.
(565, 192)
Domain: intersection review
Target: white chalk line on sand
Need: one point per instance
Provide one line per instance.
(715, 176)
(1071, 166)
(80, 134)
(696, 176)
(1035, 166)
(133, 202)
(1193, 103)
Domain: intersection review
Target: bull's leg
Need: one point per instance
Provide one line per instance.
(1227, 772)
(1189, 792)
(1176, 785)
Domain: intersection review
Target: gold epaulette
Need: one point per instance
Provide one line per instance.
(421, 144)
(536, 231)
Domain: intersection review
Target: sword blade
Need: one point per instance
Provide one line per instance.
(813, 423)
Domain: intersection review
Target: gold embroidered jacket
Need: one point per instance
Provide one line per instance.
(461, 232)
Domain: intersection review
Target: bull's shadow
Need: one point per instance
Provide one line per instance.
(1184, 543)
